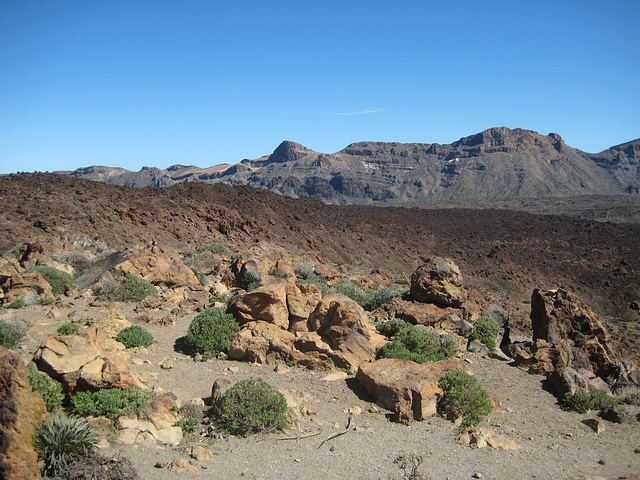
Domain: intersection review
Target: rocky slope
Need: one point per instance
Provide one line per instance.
(495, 164)
(506, 251)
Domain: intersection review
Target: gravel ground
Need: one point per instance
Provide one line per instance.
(555, 443)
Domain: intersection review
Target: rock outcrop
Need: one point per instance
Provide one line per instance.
(21, 412)
(570, 344)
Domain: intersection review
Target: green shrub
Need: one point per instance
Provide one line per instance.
(202, 278)
(486, 330)
(17, 303)
(68, 329)
(60, 281)
(463, 396)
(136, 288)
(11, 333)
(123, 287)
(210, 331)
(366, 298)
(251, 280)
(190, 418)
(135, 336)
(218, 298)
(391, 328)
(418, 345)
(582, 402)
(62, 439)
(110, 402)
(216, 248)
(49, 389)
(252, 406)
(305, 271)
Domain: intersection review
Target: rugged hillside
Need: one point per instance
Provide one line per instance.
(503, 251)
(495, 164)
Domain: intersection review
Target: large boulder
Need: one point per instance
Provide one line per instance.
(344, 325)
(409, 389)
(86, 361)
(438, 281)
(264, 342)
(416, 313)
(21, 412)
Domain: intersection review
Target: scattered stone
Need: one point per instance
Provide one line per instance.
(595, 424)
(166, 364)
(282, 368)
(332, 377)
(197, 357)
(200, 453)
(498, 354)
(355, 410)
(180, 465)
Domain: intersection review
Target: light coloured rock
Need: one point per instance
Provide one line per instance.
(112, 324)
(438, 281)
(85, 360)
(407, 388)
(480, 437)
(267, 303)
(24, 283)
(332, 377)
(182, 466)
(264, 342)
(153, 424)
(302, 300)
(200, 453)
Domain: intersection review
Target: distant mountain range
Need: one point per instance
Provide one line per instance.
(498, 163)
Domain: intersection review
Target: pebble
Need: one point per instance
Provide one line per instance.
(637, 450)
(477, 475)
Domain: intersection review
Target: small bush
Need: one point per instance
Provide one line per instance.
(219, 298)
(252, 406)
(17, 303)
(135, 336)
(210, 331)
(216, 248)
(110, 402)
(582, 402)
(80, 262)
(61, 282)
(68, 329)
(190, 418)
(11, 333)
(49, 389)
(391, 328)
(463, 396)
(418, 345)
(486, 330)
(368, 299)
(251, 280)
(202, 278)
(121, 287)
(98, 467)
(304, 271)
(62, 439)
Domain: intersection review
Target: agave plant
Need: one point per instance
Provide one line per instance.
(62, 439)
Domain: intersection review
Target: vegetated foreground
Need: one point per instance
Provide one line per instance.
(202, 241)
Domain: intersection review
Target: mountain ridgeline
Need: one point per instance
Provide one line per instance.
(498, 163)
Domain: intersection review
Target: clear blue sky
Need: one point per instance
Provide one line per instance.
(133, 83)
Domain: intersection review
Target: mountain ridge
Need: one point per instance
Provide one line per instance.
(497, 163)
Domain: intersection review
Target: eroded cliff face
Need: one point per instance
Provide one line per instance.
(498, 163)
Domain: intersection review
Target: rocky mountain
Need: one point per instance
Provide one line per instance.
(495, 164)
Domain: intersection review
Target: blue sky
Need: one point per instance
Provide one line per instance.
(133, 83)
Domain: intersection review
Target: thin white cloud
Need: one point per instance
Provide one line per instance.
(361, 112)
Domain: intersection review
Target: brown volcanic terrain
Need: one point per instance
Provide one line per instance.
(498, 250)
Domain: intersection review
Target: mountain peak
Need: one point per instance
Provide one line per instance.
(287, 152)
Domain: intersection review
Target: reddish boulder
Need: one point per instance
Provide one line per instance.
(267, 303)
(302, 300)
(21, 412)
(407, 388)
